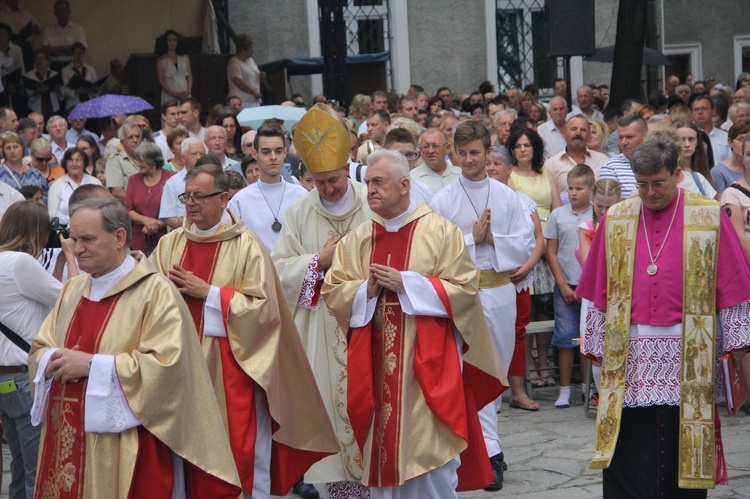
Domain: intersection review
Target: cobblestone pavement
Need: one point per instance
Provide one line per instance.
(548, 452)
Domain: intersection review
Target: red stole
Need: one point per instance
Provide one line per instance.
(287, 464)
(454, 397)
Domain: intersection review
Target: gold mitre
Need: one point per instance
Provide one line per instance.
(322, 139)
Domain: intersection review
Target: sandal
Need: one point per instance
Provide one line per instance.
(520, 403)
(536, 382)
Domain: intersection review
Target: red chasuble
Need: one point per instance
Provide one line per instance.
(375, 387)
(287, 464)
(63, 460)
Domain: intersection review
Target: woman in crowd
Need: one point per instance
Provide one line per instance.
(43, 99)
(435, 105)
(736, 201)
(88, 145)
(538, 113)
(174, 142)
(599, 132)
(234, 135)
(530, 178)
(498, 167)
(173, 69)
(27, 294)
(42, 159)
(14, 171)
(74, 163)
(527, 100)
(143, 197)
(251, 169)
(422, 99)
(725, 173)
(99, 167)
(359, 108)
(694, 161)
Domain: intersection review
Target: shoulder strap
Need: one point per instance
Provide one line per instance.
(14, 338)
(741, 189)
(697, 181)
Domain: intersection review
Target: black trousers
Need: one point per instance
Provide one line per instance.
(645, 462)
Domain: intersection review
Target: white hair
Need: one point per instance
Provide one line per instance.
(558, 98)
(189, 142)
(503, 112)
(398, 166)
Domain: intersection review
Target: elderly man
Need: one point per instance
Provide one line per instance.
(498, 245)
(631, 132)
(393, 279)
(660, 269)
(585, 97)
(171, 210)
(378, 121)
(261, 375)
(121, 165)
(314, 225)
(501, 126)
(189, 116)
(403, 141)
(216, 143)
(670, 85)
(118, 344)
(262, 205)
(577, 130)
(28, 132)
(435, 171)
(553, 130)
(57, 128)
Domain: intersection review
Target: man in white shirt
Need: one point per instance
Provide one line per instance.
(169, 114)
(8, 196)
(77, 130)
(216, 143)
(59, 39)
(262, 205)
(434, 171)
(243, 74)
(702, 107)
(585, 96)
(57, 128)
(553, 130)
(171, 210)
(189, 116)
(83, 71)
(17, 19)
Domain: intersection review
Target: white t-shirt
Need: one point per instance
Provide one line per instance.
(248, 72)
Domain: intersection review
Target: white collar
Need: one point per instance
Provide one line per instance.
(100, 285)
(210, 232)
(394, 224)
(342, 205)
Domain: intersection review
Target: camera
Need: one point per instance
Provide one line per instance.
(55, 229)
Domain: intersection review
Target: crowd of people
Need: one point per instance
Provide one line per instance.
(348, 296)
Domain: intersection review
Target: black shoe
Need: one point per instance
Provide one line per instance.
(498, 466)
(305, 490)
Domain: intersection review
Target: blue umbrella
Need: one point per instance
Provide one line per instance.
(109, 105)
(255, 116)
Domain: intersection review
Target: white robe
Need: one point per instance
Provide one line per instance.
(259, 205)
(462, 202)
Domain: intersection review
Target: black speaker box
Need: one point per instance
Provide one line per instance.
(571, 27)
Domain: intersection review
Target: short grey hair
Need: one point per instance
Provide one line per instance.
(189, 142)
(397, 163)
(558, 98)
(39, 145)
(127, 127)
(223, 132)
(150, 153)
(503, 112)
(113, 212)
(652, 156)
(578, 115)
(501, 153)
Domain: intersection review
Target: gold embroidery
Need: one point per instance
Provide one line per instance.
(317, 137)
(64, 474)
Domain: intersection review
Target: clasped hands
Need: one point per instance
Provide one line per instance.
(382, 276)
(188, 283)
(68, 365)
(482, 230)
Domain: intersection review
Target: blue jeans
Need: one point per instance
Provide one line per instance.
(22, 438)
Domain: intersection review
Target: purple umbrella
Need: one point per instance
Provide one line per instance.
(109, 105)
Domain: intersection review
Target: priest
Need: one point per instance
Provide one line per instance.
(500, 238)
(659, 270)
(275, 417)
(313, 227)
(117, 369)
(262, 205)
(420, 358)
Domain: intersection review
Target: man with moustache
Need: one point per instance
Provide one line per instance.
(577, 130)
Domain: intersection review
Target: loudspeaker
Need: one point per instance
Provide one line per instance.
(571, 27)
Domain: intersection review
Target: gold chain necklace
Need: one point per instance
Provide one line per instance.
(652, 269)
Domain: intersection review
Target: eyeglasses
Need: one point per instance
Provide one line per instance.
(427, 147)
(411, 156)
(645, 186)
(43, 160)
(197, 198)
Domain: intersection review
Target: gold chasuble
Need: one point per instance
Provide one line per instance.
(413, 406)
(697, 456)
(145, 324)
(262, 348)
